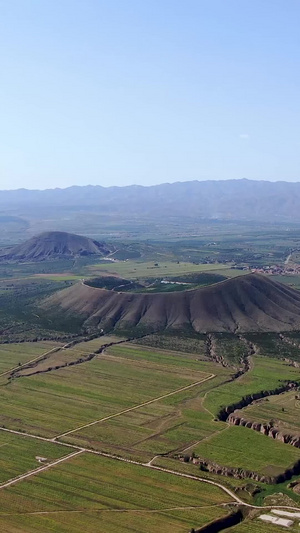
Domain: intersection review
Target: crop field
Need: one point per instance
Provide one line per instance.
(138, 269)
(283, 410)
(97, 491)
(266, 374)
(229, 272)
(133, 402)
(20, 454)
(94, 344)
(257, 525)
(162, 427)
(246, 449)
(168, 424)
(67, 355)
(13, 354)
(167, 359)
(23, 270)
(90, 391)
(60, 276)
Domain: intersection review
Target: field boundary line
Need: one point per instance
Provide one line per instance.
(177, 391)
(143, 465)
(100, 510)
(57, 348)
(40, 469)
(202, 440)
(191, 476)
(45, 439)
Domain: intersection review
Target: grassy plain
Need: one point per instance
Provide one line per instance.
(19, 454)
(155, 429)
(170, 424)
(100, 494)
(138, 269)
(266, 374)
(257, 525)
(244, 448)
(283, 410)
(125, 376)
(63, 276)
(87, 392)
(13, 354)
(67, 355)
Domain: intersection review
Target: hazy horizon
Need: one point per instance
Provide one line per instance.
(146, 185)
(128, 92)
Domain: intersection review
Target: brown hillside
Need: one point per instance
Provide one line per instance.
(54, 244)
(245, 303)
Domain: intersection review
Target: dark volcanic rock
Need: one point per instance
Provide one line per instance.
(243, 304)
(53, 244)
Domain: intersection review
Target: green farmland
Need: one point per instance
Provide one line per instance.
(266, 374)
(168, 424)
(253, 526)
(103, 387)
(11, 355)
(97, 491)
(282, 411)
(133, 402)
(243, 448)
(20, 454)
(138, 269)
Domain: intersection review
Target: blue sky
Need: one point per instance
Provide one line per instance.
(118, 92)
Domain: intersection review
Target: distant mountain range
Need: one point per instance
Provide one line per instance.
(243, 200)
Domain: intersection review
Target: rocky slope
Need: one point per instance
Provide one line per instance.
(265, 429)
(243, 304)
(54, 244)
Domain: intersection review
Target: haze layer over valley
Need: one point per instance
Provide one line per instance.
(172, 209)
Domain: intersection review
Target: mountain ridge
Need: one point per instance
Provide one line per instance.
(250, 200)
(242, 304)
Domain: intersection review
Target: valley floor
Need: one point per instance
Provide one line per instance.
(106, 435)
